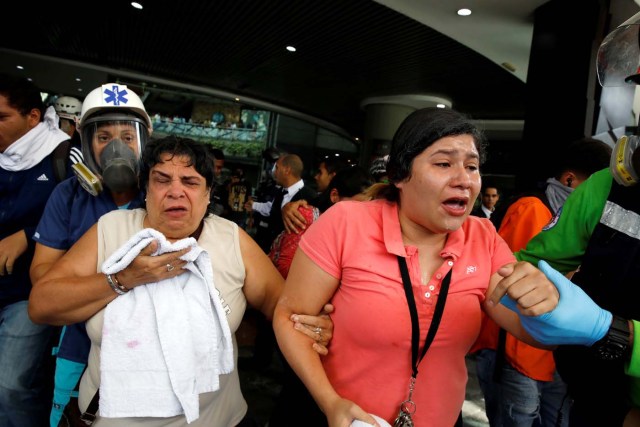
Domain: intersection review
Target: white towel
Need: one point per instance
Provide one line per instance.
(32, 147)
(163, 343)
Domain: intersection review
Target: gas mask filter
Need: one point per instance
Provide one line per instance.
(119, 166)
(119, 170)
(87, 179)
(625, 160)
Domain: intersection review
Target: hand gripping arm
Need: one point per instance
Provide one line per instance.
(577, 320)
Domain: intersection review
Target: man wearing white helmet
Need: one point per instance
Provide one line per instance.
(114, 128)
(68, 109)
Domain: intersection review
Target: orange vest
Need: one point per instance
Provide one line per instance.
(524, 219)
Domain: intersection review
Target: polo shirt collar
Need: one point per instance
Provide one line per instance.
(392, 235)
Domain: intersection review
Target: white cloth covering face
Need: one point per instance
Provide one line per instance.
(35, 145)
(163, 343)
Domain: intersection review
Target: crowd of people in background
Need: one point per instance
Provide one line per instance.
(128, 263)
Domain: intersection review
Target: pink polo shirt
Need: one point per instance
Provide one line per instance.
(370, 358)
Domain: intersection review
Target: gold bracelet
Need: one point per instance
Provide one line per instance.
(120, 286)
(115, 288)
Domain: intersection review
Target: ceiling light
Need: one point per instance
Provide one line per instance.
(237, 99)
(19, 67)
(291, 48)
(78, 79)
(464, 12)
(356, 138)
(136, 5)
(79, 89)
(29, 79)
(441, 106)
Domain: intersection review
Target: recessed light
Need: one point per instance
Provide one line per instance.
(464, 12)
(79, 89)
(29, 79)
(291, 48)
(356, 138)
(237, 99)
(78, 79)
(136, 5)
(19, 67)
(440, 105)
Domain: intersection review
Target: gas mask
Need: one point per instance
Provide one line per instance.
(111, 144)
(625, 161)
(119, 166)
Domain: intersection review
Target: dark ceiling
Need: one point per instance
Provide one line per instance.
(347, 51)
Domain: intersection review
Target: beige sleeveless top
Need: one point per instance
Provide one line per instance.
(223, 408)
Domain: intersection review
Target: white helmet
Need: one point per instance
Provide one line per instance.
(113, 96)
(68, 107)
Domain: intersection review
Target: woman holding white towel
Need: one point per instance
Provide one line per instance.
(177, 176)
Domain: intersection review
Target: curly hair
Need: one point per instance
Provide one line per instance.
(198, 153)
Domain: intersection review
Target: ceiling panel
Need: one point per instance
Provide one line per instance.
(347, 51)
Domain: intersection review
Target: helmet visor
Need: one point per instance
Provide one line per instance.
(100, 133)
(619, 55)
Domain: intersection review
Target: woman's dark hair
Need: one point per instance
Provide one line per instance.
(417, 132)
(197, 152)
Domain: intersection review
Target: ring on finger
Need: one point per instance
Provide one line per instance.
(170, 267)
(318, 330)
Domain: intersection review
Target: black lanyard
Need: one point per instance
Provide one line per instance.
(413, 311)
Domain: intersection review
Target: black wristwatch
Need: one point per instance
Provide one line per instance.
(614, 345)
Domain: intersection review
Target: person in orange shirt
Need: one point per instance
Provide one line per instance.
(520, 382)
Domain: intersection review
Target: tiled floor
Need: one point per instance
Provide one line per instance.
(261, 387)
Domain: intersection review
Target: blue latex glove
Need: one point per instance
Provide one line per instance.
(576, 320)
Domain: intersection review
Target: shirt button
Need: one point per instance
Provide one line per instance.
(438, 276)
(450, 263)
(428, 294)
(431, 287)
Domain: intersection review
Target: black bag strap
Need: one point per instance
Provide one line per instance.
(413, 311)
(500, 356)
(60, 160)
(89, 416)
